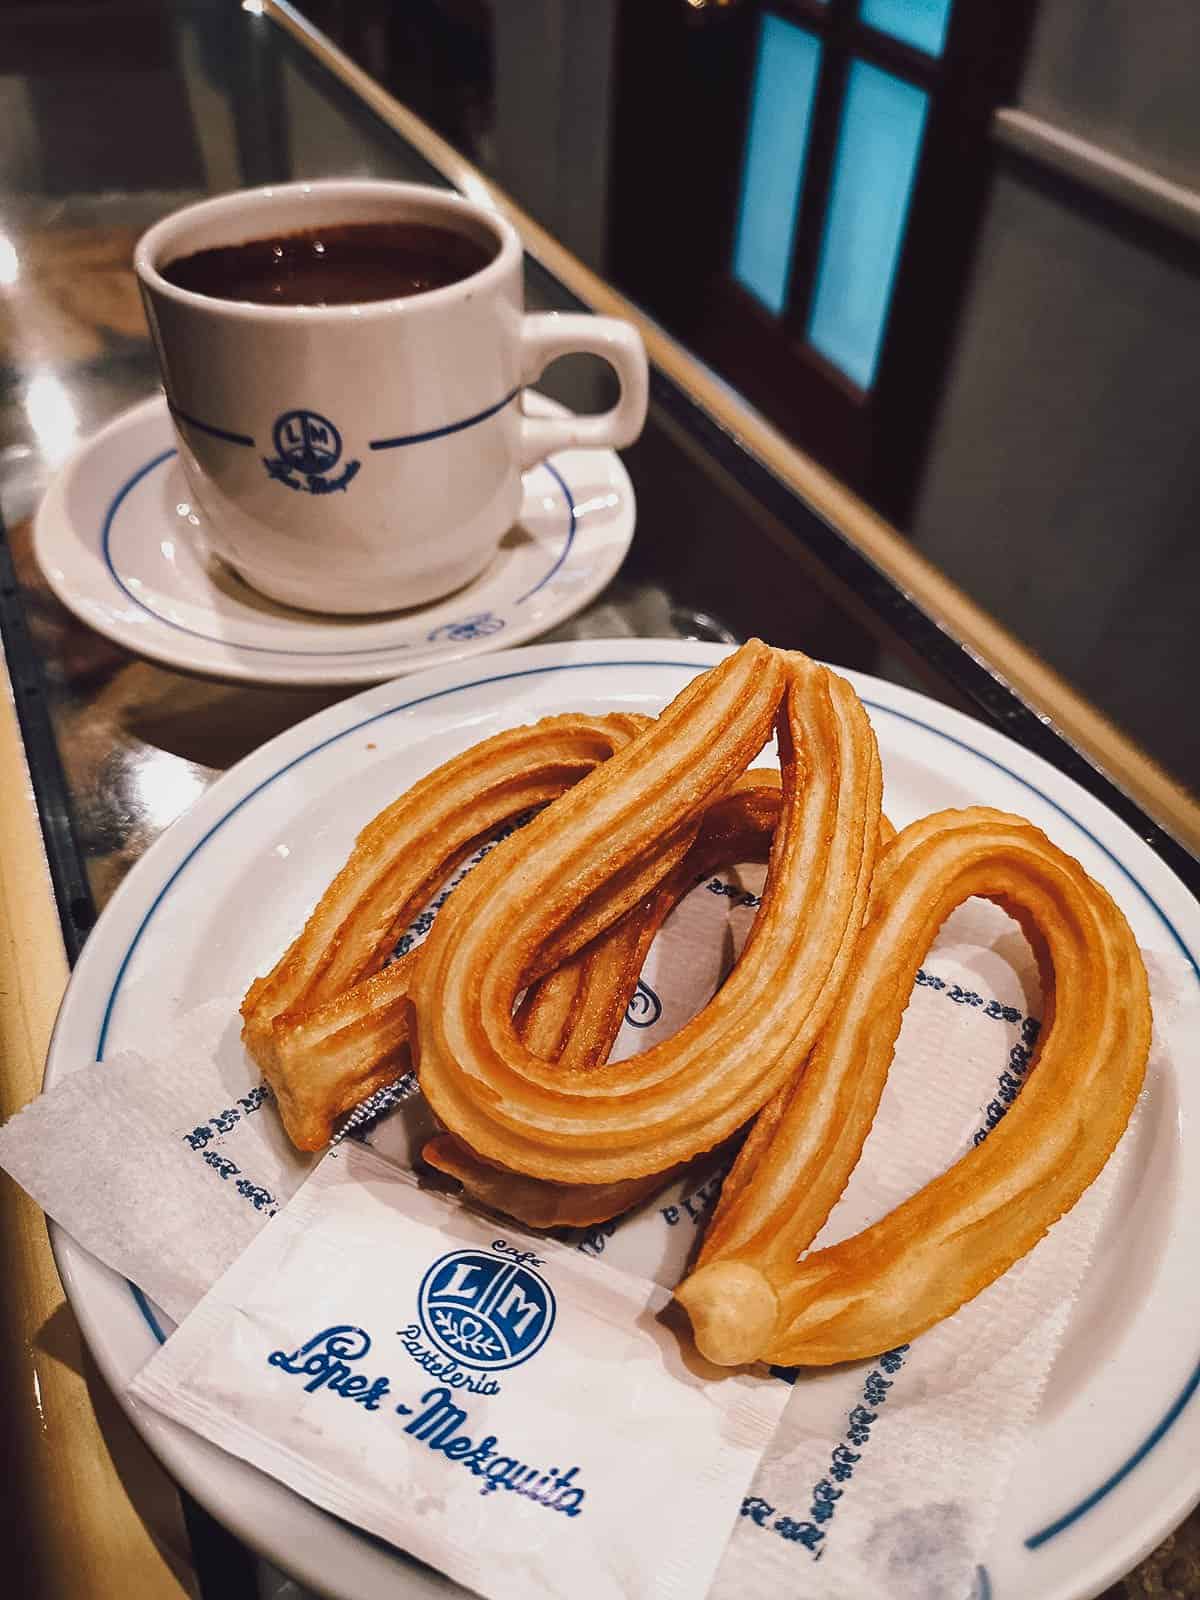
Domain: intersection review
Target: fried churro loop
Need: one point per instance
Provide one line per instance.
(631, 1119)
(750, 1298)
(326, 1025)
(573, 1015)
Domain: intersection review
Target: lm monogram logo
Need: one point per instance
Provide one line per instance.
(308, 447)
(485, 1311)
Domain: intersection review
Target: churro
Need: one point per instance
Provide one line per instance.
(573, 1015)
(635, 1118)
(325, 1025)
(750, 1297)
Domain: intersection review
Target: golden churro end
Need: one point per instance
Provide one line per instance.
(733, 1310)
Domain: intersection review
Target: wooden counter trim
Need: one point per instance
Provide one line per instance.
(1079, 722)
(90, 1514)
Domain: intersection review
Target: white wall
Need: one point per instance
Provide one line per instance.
(1125, 73)
(551, 132)
(1064, 487)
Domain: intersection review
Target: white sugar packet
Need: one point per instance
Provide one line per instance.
(494, 1404)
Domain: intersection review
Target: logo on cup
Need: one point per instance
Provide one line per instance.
(308, 447)
(484, 1310)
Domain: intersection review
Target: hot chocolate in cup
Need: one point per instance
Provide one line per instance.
(344, 363)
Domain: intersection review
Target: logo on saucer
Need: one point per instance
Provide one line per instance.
(476, 627)
(485, 1311)
(308, 447)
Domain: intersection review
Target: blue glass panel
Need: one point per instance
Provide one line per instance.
(921, 23)
(879, 141)
(785, 82)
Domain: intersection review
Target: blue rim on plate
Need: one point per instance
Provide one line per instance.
(1036, 1539)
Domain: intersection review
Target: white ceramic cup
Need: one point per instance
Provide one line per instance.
(358, 458)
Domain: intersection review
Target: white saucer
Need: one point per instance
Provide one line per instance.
(123, 548)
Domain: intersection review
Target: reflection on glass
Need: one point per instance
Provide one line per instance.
(52, 416)
(10, 267)
(37, 1400)
(921, 23)
(165, 786)
(785, 82)
(879, 142)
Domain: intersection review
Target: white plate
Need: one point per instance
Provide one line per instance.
(1112, 1461)
(123, 548)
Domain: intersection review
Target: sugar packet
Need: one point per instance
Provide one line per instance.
(524, 1419)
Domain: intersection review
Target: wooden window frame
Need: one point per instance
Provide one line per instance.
(877, 439)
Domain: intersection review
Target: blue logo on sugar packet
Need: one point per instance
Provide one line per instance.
(307, 447)
(487, 1311)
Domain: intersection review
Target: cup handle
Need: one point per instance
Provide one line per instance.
(548, 335)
